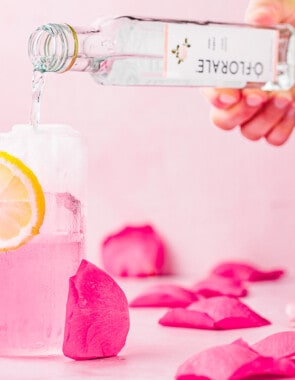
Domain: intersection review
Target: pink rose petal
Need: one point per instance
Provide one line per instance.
(232, 362)
(218, 363)
(180, 317)
(228, 312)
(218, 285)
(265, 366)
(164, 295)
(245, 272)
(225, 313)
(134, 252)
(277, 345)
(243, 343)
(97, 316)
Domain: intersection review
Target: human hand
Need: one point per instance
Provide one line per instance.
(259, 114)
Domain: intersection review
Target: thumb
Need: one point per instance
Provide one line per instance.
(266, 12)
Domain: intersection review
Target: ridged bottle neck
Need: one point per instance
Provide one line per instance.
(53, 48)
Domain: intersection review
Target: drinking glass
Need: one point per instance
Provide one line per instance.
(34, 277)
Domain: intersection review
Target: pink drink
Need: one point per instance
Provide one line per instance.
(34, 278)
(34, 281)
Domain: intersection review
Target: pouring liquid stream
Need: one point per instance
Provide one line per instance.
(38, 81)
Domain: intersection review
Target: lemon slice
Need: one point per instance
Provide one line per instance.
(22, 203)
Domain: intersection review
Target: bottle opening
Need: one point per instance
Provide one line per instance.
(53, 47)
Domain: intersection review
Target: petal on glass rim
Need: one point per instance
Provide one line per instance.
(265, 367)
(180, 317)
(219, 313)
(218, 285)
(134, 251)
(228, 312)
(164, 295)
(226, 358)
(246, 272)
(278, 345)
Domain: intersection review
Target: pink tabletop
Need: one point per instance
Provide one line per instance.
(153, 351)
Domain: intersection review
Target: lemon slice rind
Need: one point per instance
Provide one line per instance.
(20, 191)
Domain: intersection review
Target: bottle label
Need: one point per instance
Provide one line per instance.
(215, 55)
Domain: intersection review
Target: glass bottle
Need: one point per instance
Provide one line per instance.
(153, 52)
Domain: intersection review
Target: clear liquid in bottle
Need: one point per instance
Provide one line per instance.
(153, 52)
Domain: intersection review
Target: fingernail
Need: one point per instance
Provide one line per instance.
(254, 100)
(291, 112)
(267, 13)
(281, 101)
(267, 9)
(228, 99)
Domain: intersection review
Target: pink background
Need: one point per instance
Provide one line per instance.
(154, 155)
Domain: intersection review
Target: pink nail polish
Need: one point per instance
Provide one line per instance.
(227, 99)
(291, 111)
(254, 100)
(281, 101)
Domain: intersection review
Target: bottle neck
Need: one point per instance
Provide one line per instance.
(53, 48)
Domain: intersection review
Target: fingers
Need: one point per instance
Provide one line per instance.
(222, 98)
(268, 117)
(251, 102)
(258, 113)
(282, 131)
(264, 12)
